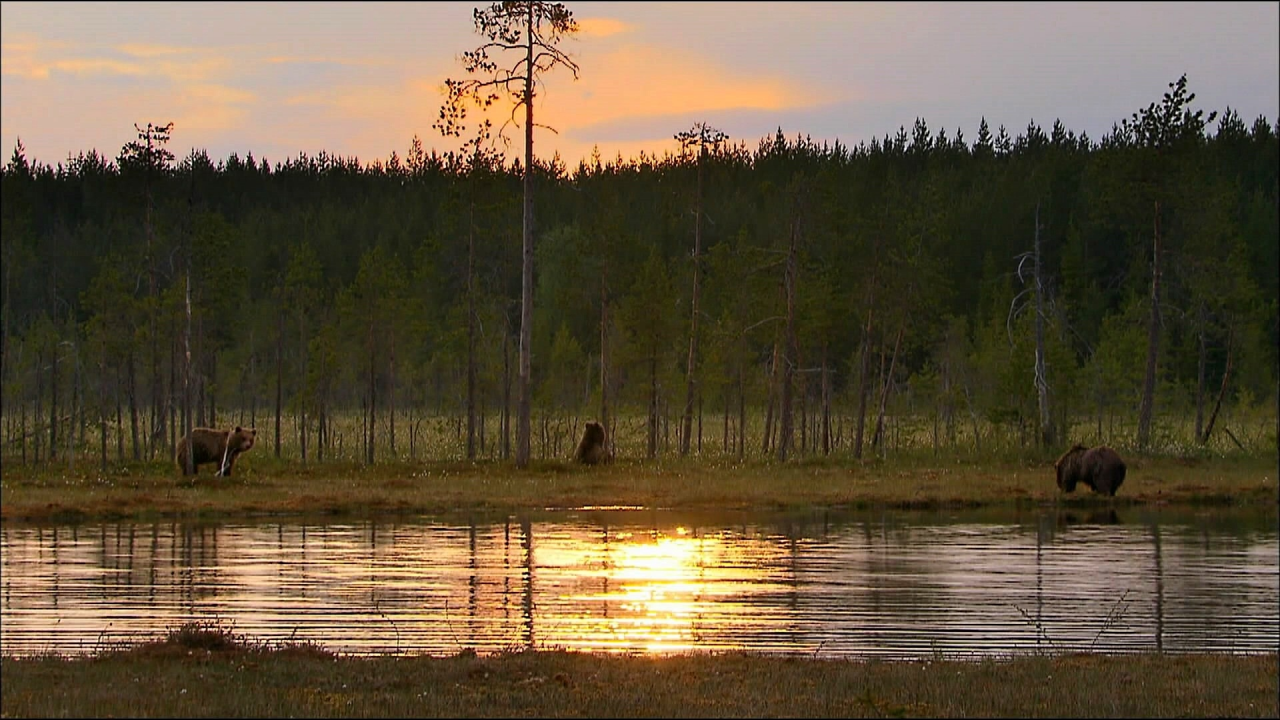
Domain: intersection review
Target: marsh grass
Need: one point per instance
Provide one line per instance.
(910, 432)
(264, 485)
(207, 670)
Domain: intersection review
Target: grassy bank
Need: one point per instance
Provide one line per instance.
(190, 674)
(264, 485)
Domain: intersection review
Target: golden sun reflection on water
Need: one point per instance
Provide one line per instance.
(651, 582)
(662, 590)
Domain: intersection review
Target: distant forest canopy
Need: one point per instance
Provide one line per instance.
(1022, 285)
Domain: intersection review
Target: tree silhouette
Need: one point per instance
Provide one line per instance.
(700, 136)
(149, 155)
(534, 28)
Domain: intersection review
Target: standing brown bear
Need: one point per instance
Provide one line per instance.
(207, 445)
(592, 450)
(1100, 468)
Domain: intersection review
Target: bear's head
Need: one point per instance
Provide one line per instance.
(1068, 468)
(241, 439)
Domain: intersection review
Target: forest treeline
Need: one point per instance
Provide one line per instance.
(1043, 288)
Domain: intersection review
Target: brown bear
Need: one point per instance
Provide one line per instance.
(592, 450)
(1100, 468)
(215, 446)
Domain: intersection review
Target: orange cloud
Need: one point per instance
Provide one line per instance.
(644, 81)
(36, 59)
(212, 107)
(367, 62)
(144, 50)
(627, 82)
(21, 57)
(362, 102)
(601, 27)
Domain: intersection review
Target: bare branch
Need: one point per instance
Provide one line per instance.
(753, 326)
(499, 46)
(1013, 313)
(1022, 260)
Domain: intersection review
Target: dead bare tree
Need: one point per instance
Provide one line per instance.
(1048, 434)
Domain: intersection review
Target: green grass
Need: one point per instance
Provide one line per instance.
(206, 671)
(266, 486)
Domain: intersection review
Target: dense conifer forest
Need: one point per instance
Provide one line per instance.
(921, 290)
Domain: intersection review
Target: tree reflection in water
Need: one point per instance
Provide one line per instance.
(907, 585)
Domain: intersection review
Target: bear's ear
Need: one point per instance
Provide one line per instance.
(238, 429)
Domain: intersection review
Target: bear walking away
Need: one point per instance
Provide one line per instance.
(592, 450)
(1100, 468)
(207, 445)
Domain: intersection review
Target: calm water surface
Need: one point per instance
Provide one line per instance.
(882, 584)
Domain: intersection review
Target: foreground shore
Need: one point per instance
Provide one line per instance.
(173, 680)
(266, 486)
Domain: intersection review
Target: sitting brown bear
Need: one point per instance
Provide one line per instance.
(592, 450)
(1100, 468)
(207, 445)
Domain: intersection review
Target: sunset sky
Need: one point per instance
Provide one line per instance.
(362, 79)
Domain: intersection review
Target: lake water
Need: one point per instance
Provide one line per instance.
(859, 584)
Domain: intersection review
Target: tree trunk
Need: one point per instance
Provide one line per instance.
(22, 428)
(279, 374)
(212, 383)
(391, 395)
(156, 416)
(506, 390)
(885, 385)
(199, 383)
(604, 356)
(171, 399)
(768, 410)
(863, 386)
(691, 373)
(1153, 342)
(826, 404)
(724, 433)
(102, 414)
(4, 317)
(53, 405)
(653, 406)
(322, 432)
(133, 406)
(471, 335)
(526, 284)
(373, 392)
(786, 420)
(186, 367)
(74, 409)
(1047, 434)
(742, 415)
(1222, 390)
(304, 368)
(699, 422)
(1201, 436)
(119, 421)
